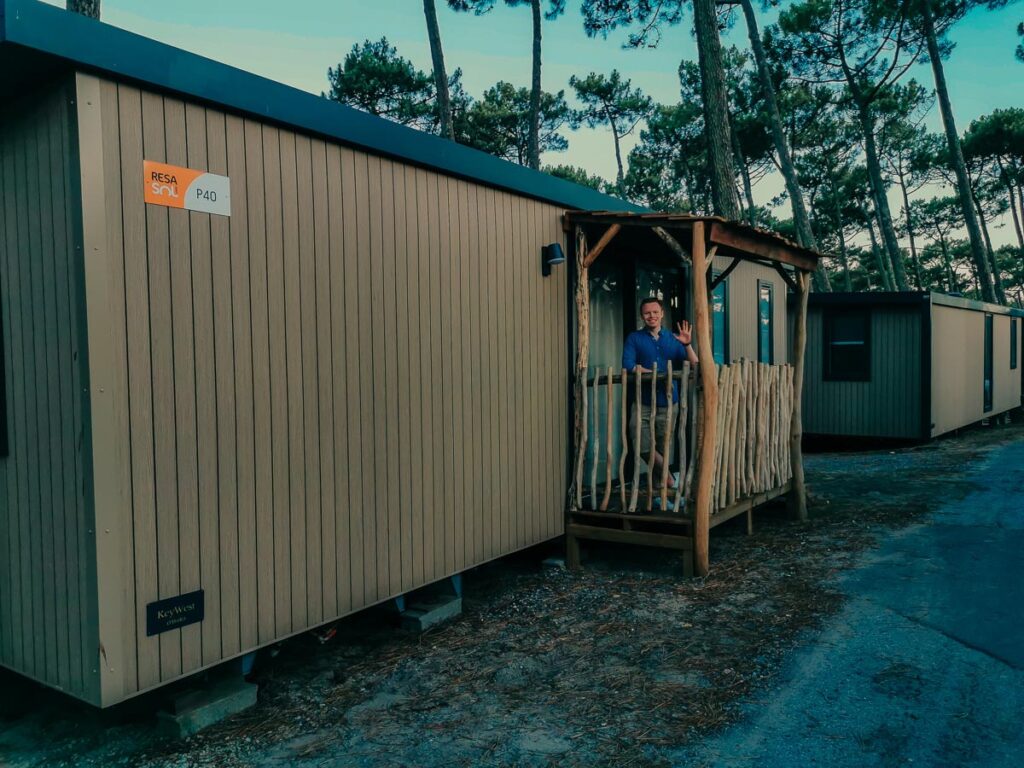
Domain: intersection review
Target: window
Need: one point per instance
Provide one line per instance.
(847, 342)
(765, 323)
(720, 322)
(1013, 343)
(987, 382)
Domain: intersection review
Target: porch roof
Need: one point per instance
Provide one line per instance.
(729, 238)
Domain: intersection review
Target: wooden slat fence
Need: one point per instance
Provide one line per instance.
(601, 482)
(755, 409)
(752, 453)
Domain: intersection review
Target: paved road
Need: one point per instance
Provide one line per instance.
(925, 666)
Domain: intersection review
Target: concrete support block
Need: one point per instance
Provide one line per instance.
(431, 611)
(197, 709)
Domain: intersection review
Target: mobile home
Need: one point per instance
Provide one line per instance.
(906, 365)
(266, 360)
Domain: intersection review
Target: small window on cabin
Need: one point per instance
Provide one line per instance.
(720, 322)
(765, 323)
(987, 376)
(1013, 343)
(847, 339)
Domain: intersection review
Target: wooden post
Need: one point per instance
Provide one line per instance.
(709, 379)
(681, 421)
(798, 498)
(582, 361)
(572, 552)
(636, 444)
(610, 459)
(696, 437)
(596, 441)
(666, 445)
(625, 443)
(654, 440)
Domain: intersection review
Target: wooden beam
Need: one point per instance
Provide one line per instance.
(725, 273)
(643, 538)
(746, 505)
(582, 361)
(798, 498)
(761, 246)
(606, 238)
(709, 378)
(786, 276)
(659, 519)
(673, 244)
(668, 221)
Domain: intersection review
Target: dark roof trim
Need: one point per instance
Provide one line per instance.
(734, 238)
(959, 302)
(907, 298)
(860, 299)
(29, 28)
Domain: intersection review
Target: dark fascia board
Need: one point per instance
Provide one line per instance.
(959, 302)
(28, 27)
(867, 298)
(907, 298)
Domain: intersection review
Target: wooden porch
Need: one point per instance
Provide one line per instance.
(733, 437)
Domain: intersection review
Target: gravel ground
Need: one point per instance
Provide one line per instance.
(625, 663)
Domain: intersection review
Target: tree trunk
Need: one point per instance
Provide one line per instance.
(883, 271)
(1005, 176)
(954, 284)
(716, 109)
(90, 8)
(618, 150)
(910, 231)
(877, 221)
(886, 229)
(444, 104)
(843, 256)
(533, 142)
(997, 278)
(1020, 200)
(956, 154)
(741, 165)
(801, 220)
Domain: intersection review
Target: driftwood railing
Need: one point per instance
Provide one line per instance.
(597, 441)
(752, 456)
(755, 407)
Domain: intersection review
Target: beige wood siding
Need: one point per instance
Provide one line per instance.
(47, 560)
(958, 364)
(889, 405)
(743, 317)
(353, 386)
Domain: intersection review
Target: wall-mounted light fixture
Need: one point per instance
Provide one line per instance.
(550, 255)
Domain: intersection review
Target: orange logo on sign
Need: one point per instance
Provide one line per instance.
(166, 184)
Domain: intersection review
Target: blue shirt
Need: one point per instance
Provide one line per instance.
(641, 348)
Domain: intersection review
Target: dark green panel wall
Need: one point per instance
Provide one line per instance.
(889, 405)
(45, 539)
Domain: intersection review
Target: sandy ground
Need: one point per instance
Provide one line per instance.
(627, 663)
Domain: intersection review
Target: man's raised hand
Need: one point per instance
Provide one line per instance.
(684, 332)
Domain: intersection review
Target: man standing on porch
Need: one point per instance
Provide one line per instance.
(652, 345)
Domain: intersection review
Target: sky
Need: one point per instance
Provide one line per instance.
(295, 42)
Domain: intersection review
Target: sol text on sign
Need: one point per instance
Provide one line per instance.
(177, 187)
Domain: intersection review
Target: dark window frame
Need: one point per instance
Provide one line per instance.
(1013, 343)
(771, 322)
(724, 286)
(988, 382)
(828, 319)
